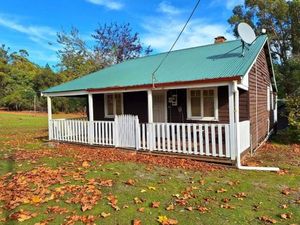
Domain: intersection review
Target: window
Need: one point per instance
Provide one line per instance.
(202, 104)
(113, 105)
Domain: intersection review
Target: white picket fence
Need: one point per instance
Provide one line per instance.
(126, 131)
(186, 138)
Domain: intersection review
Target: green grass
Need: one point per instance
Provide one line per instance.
(263, 189)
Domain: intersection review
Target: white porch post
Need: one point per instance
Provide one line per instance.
(231, 121)
(237, 121)
(91, 119)
(49, 106)
(150, 106)
(150, 120)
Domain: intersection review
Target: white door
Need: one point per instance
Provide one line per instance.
(159, 107)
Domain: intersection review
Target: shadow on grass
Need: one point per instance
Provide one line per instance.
(286, 136)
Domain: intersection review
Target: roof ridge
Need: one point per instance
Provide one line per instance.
(177, 50)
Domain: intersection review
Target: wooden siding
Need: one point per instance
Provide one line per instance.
(259, 115)
(135, 103)
(178, 114)
(244, 105)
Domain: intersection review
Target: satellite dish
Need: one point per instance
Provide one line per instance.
(246, 33)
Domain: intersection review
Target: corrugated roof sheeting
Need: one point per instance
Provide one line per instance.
(198, 63)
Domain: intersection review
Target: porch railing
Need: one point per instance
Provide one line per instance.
(185, 138)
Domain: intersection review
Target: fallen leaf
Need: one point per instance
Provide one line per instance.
(152, 188)
(143, 190)
(202, 182)
(164, 220)
(227, 206)
(106, 183)
(170, 207)
(22, 215)
(286, 215)
(137, 200)
(286, 191)
(189, 208)
(130, 182)
(155, 204)
(141, 209)
(226, 200)
(222, 190)
(284, 206)
(104, 214)
(267, 219)
(136, 222)
(202, 209)
(85, 164)
(36, 199)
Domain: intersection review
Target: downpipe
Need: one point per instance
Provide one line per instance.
(237, 129)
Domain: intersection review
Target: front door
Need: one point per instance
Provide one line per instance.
(159, 107)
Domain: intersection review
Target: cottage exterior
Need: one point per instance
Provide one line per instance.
(209, 101)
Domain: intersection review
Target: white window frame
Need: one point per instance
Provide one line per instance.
(189, 110)
(114, 105)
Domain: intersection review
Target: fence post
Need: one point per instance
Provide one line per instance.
(116, 132)
(232, 124)
(91, 119)
(91, 132)
(50, 126)
(150, 133)
(137, 133)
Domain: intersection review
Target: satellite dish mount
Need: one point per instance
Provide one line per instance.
(247, 35)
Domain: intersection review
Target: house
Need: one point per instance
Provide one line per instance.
(211, 102)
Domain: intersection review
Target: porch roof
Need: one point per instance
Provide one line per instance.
(208, 62)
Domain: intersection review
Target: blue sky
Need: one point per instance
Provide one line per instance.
(32, 24)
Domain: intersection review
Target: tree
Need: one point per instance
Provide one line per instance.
(76, 58)
(281, 20)
(117, 43)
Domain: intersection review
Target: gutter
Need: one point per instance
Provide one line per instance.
(237, 128)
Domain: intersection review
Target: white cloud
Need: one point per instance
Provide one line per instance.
(110, 4)
(167, 8)
(38, 34)
(229, 4)
(161, 33)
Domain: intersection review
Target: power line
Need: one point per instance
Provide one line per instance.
(173, 45)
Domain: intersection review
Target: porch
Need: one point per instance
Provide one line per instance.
(211, 140)
(160, 121)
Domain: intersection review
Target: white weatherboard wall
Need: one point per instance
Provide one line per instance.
(244, 135)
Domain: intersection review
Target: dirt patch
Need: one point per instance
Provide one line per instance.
(272, 153)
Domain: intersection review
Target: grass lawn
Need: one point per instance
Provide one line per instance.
(51, 183)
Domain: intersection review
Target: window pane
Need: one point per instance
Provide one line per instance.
(196, 103)
(118, 104)
(109, 104)
(208, 103)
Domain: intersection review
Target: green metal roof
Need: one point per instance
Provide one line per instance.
(198, 63)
